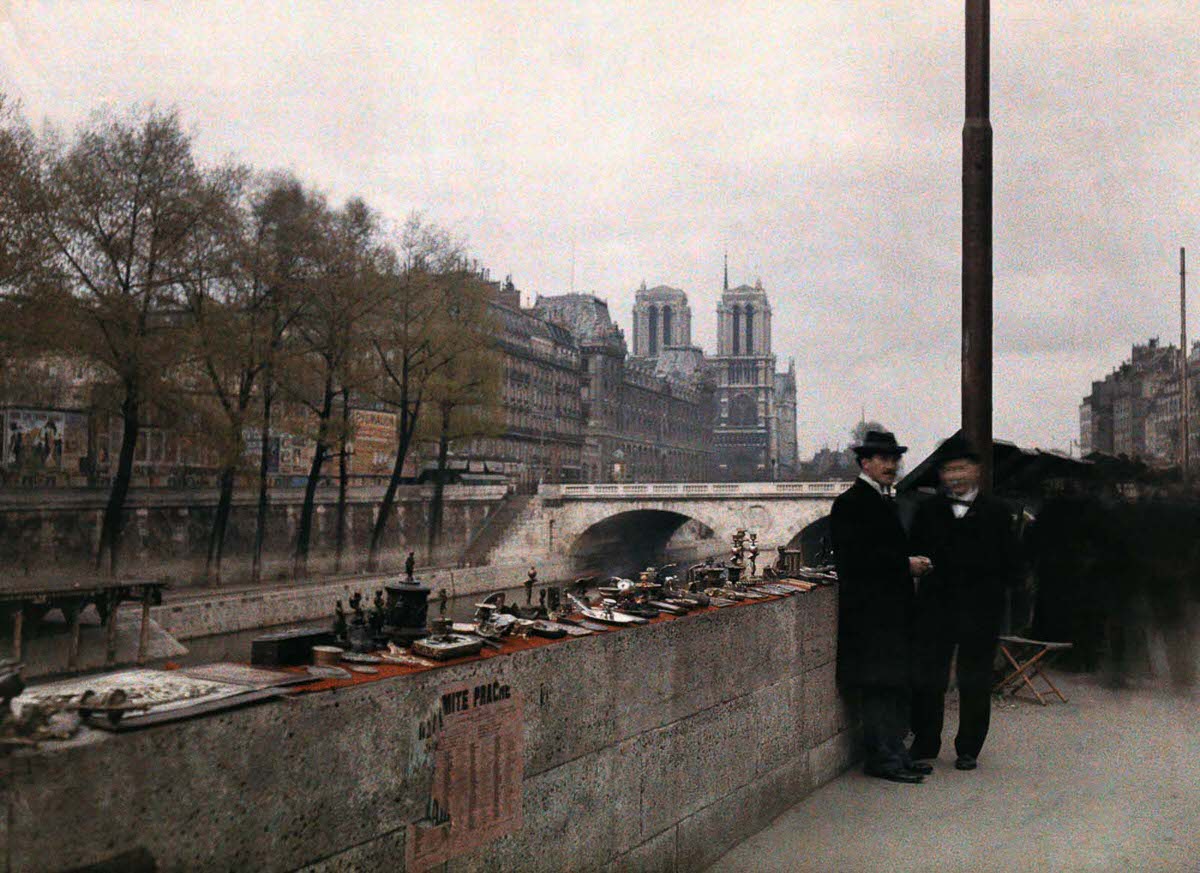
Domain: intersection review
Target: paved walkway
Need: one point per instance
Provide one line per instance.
(1107, 782)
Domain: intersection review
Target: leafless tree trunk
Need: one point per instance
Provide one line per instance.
(304, 534)
(342, 481)
(110, 531)
(439, 486)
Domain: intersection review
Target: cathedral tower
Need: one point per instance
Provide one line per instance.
(661, 320)
(747, 430)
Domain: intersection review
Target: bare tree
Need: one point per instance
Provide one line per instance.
(288, 225)
(859, 432)
(117, 206)
(464, 387)
(23, 252)
(411, 338)
(344, 295)
(239, 311)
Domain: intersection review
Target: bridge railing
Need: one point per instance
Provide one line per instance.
(602, 491)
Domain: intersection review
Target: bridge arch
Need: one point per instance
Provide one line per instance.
(621, 543)
(814, 541)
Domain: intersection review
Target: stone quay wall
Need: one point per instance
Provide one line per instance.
(653, 748)
(166, 532)
(199, 615)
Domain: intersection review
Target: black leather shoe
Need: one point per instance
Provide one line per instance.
(965, 762)
(904, 776)
(919, 767)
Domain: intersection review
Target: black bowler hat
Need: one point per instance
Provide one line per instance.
(879, 442)
(957, 448)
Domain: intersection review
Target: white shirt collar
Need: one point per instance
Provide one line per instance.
(961, 505)
(879, 489)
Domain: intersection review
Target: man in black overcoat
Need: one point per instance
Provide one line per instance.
(960, 605)
(875, 570)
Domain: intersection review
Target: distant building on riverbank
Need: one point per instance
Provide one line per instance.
(645, 419)
(1135, 409)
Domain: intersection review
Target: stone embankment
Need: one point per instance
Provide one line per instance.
(656, 747)
(187, 615)
(166, 532)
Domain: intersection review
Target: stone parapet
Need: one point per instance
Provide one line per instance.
(651, 748)
(218, 613)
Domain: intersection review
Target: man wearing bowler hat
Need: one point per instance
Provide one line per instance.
(960, 605)
(875, 568)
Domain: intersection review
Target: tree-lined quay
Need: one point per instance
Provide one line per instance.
(227, 303)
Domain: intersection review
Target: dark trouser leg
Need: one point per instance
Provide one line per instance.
(974, 716)
(901, 716)
(975, 658)
(929, 696)
(882, 720)
(928, 717)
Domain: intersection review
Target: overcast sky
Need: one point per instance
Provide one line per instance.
(819, 144)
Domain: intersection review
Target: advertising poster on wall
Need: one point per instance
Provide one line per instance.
(252, 451)
(374, 443)
(287, 454)
(43, 440)
(474, 738)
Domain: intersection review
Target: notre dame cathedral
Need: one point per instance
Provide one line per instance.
(755, 407)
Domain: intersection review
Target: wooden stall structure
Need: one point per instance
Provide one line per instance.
(26, 603)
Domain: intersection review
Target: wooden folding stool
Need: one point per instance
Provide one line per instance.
(1028, 660)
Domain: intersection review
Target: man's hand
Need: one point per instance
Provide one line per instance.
(919, 565)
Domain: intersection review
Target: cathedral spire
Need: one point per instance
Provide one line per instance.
(726, 270)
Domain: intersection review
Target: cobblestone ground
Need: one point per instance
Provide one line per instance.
(1107, 782)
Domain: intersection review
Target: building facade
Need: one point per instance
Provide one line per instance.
(1136, 410)
(640, 423)
(788, 466)
(747, 434)
(541, 397)
(576, 407)
(754, 416)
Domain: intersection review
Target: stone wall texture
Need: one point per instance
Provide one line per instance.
(654, 748)
(166, 533)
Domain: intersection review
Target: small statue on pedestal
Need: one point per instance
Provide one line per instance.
(377, 614)
(339, 622)
(529, 583)
(359, 633)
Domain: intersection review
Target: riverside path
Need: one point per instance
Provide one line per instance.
(1107, 782)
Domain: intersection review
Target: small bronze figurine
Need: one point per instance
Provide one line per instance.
(377, 613)
(443, 599)
(529, 583)
(339, 621)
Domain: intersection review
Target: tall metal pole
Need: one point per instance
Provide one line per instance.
(1185, 406)
(977, 242)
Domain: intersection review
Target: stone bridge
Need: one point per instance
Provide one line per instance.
(639, 522)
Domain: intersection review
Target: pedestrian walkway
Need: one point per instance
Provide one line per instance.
(1107, 782)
